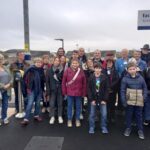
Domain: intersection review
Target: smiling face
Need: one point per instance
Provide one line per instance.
(74, 64)
(56, 62)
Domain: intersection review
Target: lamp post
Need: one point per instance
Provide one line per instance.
(62, 40)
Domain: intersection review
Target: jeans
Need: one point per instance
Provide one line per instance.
(70, 100)
(32, 97)
(56, 97)
(5, 98)
(147, 109)
(137, 112)
(103, 111)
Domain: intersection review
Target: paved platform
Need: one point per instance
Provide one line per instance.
(15, 137)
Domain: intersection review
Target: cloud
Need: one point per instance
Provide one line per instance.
(92, 24)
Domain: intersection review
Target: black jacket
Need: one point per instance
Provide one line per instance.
(113, 79)
(102, 95)
(51, 83)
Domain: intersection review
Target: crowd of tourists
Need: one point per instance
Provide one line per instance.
(66, 88)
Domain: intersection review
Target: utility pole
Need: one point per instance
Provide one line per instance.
(26, 30)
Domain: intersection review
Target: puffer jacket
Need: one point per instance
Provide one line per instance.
(133, 83)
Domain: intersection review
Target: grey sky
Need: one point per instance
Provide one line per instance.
(102, 24)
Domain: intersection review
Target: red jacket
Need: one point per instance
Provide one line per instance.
(78, 87)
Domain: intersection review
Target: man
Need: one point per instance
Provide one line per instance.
(140, 63)
(97, 57)
(16, 66)
(145, 55)
(60, 52)
(120, 66)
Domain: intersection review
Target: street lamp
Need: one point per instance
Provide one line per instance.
(62, 40)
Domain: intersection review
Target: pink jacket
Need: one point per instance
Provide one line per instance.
(78, 87)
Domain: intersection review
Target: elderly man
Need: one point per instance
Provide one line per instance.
(145, 55)
(97, 57)
(121, 63)
(140, 63)
(16, 66)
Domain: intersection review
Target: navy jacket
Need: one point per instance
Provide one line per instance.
(133, 83)
(33, 80)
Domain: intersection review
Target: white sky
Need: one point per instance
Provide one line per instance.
(92, 24)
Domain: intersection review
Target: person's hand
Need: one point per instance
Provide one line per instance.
(93, 102)
(7, 86)
(103, 102)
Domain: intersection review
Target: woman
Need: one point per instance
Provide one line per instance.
(33, 88)
(6, 81)
(74, 86)
(54, 91)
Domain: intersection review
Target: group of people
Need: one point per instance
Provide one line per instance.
(65, 84)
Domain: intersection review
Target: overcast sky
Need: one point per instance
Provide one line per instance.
(92, 24)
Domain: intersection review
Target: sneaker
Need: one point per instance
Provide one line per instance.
(104, 131)
(127, 132)
(141, 134)
(25, 122)
(69, 123)
(37, 118)
(81, 116)
(91, 130)
(52, 120)
(146, 123)
(60, 119)
(78, 124)
(6, 121)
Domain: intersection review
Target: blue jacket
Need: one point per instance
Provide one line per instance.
(133, 83)
(142, 64)
(120, 66)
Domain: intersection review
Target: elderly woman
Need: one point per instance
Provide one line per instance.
(6, 81)
(33, 89)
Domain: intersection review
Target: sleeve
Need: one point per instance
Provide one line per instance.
(84, 84)
(106, 88)
(90, 96)
(64, 81)
(144, 90)
(47, 82)
(123, 91)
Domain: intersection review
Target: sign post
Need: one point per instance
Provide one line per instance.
(144, 20)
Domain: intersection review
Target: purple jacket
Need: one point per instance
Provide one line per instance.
(78, 87)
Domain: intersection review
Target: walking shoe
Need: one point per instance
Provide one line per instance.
(81, 116)
(25, 122)
(91, 130)
(141, 134)
(127, 132)
(69, 123)
(52, 120)
(78, 124)
(104, 131)
(60, 119)
(6, 121)
(37, 118)
(146, 123)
